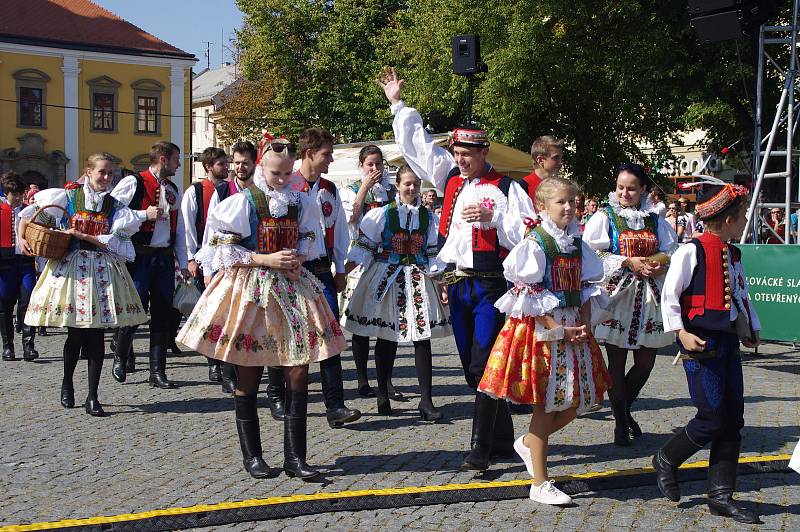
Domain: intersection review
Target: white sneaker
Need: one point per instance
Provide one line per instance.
(524, 453)
(548, 493)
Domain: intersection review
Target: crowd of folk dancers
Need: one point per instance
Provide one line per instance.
(525, 284)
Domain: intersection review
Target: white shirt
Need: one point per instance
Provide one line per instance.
(380, 191)
(124, 192)
(189, 211)
(341, 234)
(434, 163)
(678, 278)
(215, 201)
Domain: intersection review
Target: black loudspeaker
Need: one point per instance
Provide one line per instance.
(706, 6)
(467, 55)
(721, 20)
(718, 27)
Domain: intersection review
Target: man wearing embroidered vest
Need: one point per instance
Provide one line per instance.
(333, 239)
(156, 201)
(481, 221)
(194, 209)
(17, 272)
(705, 300)
(547, 153)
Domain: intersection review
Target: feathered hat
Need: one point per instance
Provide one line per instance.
(714, 196)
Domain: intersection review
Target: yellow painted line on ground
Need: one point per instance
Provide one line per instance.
(102, 520)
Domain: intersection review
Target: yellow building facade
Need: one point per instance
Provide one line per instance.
(58, 105)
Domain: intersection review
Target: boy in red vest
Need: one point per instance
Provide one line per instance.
(547, 153)
(481, 221)
(17, 271)
(194, 209)
(705, 301)
(156, 201)
(333, 239)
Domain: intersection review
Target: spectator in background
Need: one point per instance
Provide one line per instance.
(430, 199)
(793, 227)
(676, 220)
(657, 201)
(33, 188)
(591, 208)
(690, 229)
(580, 207)
(775, 223)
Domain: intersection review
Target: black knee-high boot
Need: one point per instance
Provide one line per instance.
(666, 461)
(360, 347)
(250, 437)
(423, 362)
(635, 380)
(621, 428)
(158, 361)
(7, 332)
(385, 352)
(722, 468)
(294, 436)
(214, 370)
(228, 377)
(123, 349)
(93, 348)
(483, 420)
(276, 391)
(72, 351)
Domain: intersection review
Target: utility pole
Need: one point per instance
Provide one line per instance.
(208, 54)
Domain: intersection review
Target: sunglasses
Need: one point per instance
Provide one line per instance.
(278, 147)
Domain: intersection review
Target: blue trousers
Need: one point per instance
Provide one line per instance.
(717, 390)
(476, 322)
(154, 279)
(17, 279)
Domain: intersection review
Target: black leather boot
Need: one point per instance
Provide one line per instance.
(130, 362)
(722, 468)
(483, 421)
(633, 426)
(158, 361)
(228, 377)
(666, 461)
(622, 435)
(294, 436)
(250, 442)
(214, 370)
(337, 413)
(29, 351)
(67, 395)
(7, 334)
(123, 346)
(503, 443)
(276, 391)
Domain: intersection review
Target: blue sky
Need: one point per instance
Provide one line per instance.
(184, 23)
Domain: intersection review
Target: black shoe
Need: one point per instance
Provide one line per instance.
(365, 390)
(722, 469)
(294, 437)
(633, 426)
(337, 417)
(118, 369)
(214, 373)
(67, 396)
(250, 442)
(8, 355)
(30, 354)
(666, 461)
(228, 373)
(622, 436)
(394, 395)
(276, 392)
(276, 409)
(94, 408)
(384, 406)
(29, 351)
(228, 386)
(428, 412)
(174, 348)
(483, 420)
(158, 362)
(7, 334)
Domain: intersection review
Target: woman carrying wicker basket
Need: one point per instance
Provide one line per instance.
(89, 288)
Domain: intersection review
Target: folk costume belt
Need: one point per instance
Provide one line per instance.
(150, 250)
(452, 277)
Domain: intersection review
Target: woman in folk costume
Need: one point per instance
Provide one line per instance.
(395, 300)
(372, 191)
(634, 244)
(262, 308)
(89, 289)
(545, 355)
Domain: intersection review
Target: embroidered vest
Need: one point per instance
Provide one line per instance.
(147, 191)
(370, 201)
(7, 244)
(562, 274)
(268, 233)
(531, 182)
(487, 253)
(632, 242)
(706, 303)
(329, 208)
(401, 246)
(87, 221)
(226, 189)
(203, 191)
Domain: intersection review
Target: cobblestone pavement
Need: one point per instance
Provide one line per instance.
(167, 448)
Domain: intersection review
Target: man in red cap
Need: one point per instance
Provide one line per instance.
(481, 221)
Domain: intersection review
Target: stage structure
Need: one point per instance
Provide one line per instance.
(777, 61)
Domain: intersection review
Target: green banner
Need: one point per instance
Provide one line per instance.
(774, 280)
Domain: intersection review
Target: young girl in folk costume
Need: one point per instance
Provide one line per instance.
(262, 308)
(634, 245)
(372, 191)
(89, 289)
(395, 300)
(545, 354)
(705, 301)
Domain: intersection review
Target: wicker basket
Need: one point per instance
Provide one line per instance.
(45, 241)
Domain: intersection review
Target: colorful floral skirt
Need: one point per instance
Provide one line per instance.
(397, 303)
(556, 374)
(259, 317)
(85, 289)
(635, 313)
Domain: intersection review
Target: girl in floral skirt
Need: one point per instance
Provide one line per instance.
(263, 308)
(545, 354)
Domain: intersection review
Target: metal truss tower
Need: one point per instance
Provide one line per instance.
(777, 62)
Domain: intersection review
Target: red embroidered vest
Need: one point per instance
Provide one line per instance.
(146, 194)
(328, 212)
(202, 193)
(7, 244)
(273, 233)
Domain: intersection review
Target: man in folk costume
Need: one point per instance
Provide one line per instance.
(194, 209)
(481, 221)
(156, 201)
(547, 153)
(333, 240)
(17, 271)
